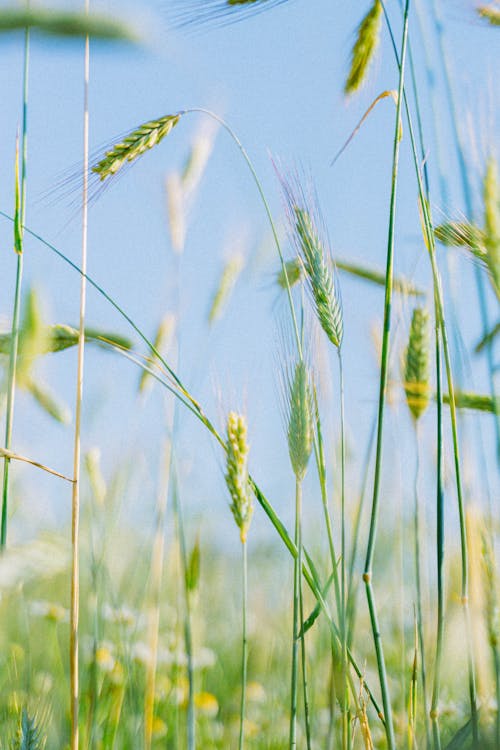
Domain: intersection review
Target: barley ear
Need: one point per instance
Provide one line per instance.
(139, 141)
(416, 364)
(237, 479)
(366, 43)
(300, 419)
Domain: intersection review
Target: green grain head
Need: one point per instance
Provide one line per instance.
(416, 364)
(363, 51)
(300, 419)
(320, 276)
(490, 13)
(491, 197)
(237, 479)
(139, 141)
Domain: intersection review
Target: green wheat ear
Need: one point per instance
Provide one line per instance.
(320, 276)
(300, 419)
(460, 234)
(490, 13)
(29, 736)
(491, 197)
(237, 479)
(365, 46)
(416, 364)
(135, 144)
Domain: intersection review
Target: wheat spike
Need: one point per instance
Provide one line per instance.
(366, 43)
(416, 364)
(491, 196)
(460, 234)
(490, 13)
(29, 735)
(475, 402)
(135, 144)
(300, 419)
(237, 479)
(320, 276)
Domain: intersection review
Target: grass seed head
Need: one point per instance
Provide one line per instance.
(300, 419)
(491, 196)
(237, 478)
(366, 43)
(490, 13)
(135, 144)
(416, 365)
(320, 275)
(460, 234)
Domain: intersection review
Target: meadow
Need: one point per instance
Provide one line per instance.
(249, 379)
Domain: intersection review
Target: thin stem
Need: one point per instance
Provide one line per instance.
(11, 382)
(418, 582)
(343, 568)
(295, 629)
(434, 714)
(367, 577)
(188, 634)
(75, 497)
(244, 650)
(305, 690)
(353, 587)
(156, 572)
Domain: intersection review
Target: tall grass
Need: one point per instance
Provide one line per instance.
(171, 689)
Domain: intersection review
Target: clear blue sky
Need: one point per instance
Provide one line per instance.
(277, 79)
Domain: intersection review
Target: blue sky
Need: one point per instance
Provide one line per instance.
(277, 79)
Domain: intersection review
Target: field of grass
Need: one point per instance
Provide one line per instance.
(344, 591)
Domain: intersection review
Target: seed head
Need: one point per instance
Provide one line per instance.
(491, 196)
(366, 43)
(300, 419)
(134, 145)
(237, 478)
(320, 275)
(416, 365)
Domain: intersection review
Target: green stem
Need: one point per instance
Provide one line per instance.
(441, 323)
(11, 383)
(434, 714)
(296, 608)
(188, 635)
(244, 654)
(367, 577)
(343, 630)
(352, 584)
(307, 712)
(418, 581)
